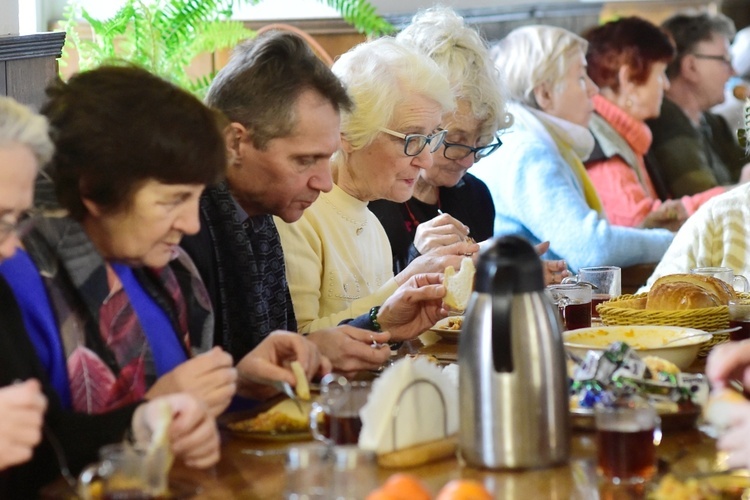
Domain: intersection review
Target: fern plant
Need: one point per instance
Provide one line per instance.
(164, 36)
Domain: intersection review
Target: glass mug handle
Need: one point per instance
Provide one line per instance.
(570, 280)
(88, 476)
(317, 409)
(738, 278)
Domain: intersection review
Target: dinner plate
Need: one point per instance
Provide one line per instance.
(441, 328)
(226, 421)
(684, 418)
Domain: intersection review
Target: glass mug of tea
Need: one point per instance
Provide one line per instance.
(126, 471)
(574, 303)
(739, 317)
(334, 418)
(725, 274)
(606, 284)
(627, 433)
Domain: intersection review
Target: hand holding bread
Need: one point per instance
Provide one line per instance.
(459, 285)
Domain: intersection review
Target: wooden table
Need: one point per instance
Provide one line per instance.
(241, 475)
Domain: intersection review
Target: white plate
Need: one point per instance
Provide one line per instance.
(441, 328)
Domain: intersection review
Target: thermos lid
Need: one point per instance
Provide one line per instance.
(512, 260)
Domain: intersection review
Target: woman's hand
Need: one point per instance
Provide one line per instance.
(269, 362)
(554, 270)
(210, 377)
(22, 408)
(730, 361)
(735, 440)
(193, 435)
(414, 307)
(352, 349)
(437, 260)
(671, 215)
(440, 231)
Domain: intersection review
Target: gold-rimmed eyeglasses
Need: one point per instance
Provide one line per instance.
(455, 151)
(415, 143)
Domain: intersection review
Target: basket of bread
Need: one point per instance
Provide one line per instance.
(689, 300)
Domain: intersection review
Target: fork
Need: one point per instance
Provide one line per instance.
(286, 388)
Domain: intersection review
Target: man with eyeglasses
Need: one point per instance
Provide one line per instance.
(448, 202)
(693, 149)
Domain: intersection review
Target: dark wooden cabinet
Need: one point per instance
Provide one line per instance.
(28, 63)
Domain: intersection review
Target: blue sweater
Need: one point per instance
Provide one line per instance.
(537, 196)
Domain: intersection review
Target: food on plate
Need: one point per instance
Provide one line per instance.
(282, 417)
(717, 487)
(463, 489)
(303, 387)
(401, 486)
(715, 411)
(655, 364)
(428, 357)
(455, 323)
(459, 285)
(688, 291)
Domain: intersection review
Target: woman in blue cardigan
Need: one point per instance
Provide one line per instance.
(537, 179)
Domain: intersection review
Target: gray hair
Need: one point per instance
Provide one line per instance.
(688, 29)
(533, 55)
(464, 58)
(20, 125)
(380, 75)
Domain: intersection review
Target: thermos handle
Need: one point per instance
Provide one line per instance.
(502, 300)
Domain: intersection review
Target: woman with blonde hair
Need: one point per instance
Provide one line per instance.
(537, 179)
(338, 255)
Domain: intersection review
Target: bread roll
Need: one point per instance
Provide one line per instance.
(715, 411)
(688, 291)
(459, 285)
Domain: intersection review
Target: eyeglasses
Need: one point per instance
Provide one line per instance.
(455, 151)
(415, 143)
(21, 226)
(725, 58)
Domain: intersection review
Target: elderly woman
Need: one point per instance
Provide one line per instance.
(114, 308)
(628, 59)
(537, 179)
(448, 202)
(26, 406)
(337, 255)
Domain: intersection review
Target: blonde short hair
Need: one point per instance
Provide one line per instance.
(464, 57)
(379, 76)
(532, 55)
(20, 125)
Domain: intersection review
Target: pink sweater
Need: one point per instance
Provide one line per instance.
(629, 196)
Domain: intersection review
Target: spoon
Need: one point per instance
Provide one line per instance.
(711, 334)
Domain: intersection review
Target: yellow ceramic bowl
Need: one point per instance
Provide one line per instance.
(646, 340)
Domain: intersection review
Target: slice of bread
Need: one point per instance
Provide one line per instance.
(459, 285)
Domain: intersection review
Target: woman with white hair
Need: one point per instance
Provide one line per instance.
(450, 204)
(337, 255)
(537, 179)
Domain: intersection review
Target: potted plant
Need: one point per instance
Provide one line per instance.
(165, 36)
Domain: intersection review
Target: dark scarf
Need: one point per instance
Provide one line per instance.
(251, 284)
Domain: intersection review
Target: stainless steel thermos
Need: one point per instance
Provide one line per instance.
(513, 384)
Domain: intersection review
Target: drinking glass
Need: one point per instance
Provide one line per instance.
(725, 274)
(339, 404)
(606, 284)
(739, 315)
(573, 300)
(127, 472)
(627, 433)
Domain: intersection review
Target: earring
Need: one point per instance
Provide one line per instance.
(628, 102)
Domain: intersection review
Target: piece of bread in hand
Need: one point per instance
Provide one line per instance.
(459, 285)
(716, 410)
(303, 387)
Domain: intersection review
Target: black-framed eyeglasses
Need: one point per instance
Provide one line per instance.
(725, 58)
(415, 143)
(454, 151)
(21, 226)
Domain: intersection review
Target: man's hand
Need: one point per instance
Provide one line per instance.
(352, 349)
(270, 362)
(414, 307)
(22, 408)
(209, 377)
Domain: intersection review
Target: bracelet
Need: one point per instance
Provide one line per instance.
(374, 325)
